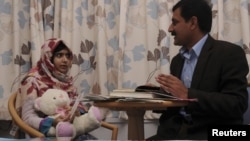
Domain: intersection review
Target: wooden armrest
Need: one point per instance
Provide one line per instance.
(16, 118)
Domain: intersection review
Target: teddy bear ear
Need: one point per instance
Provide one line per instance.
(37, 103)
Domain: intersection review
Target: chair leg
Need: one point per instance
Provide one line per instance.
(113, 128)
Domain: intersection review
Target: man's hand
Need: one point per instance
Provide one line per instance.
(173, 85)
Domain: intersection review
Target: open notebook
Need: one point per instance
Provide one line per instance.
(140, 93)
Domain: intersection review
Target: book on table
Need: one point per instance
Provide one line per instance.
(99, 97)
(147, 92)
(143, 92)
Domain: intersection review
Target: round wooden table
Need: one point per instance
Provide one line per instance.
(136, 110)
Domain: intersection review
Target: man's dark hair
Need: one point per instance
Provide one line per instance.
(198, 8)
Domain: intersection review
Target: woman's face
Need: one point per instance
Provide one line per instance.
(62, 61)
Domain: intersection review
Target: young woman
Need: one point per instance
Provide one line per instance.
(52, 72)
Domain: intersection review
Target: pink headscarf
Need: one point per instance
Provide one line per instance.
(45, 75)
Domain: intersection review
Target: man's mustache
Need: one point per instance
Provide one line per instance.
(173, 33)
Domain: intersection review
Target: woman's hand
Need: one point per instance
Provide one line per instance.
(60, 119)
(67, 118)
(72, 116)
(76, 114)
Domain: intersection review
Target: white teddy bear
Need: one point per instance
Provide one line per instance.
(54, 103)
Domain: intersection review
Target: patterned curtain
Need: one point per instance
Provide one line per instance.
(116, 43)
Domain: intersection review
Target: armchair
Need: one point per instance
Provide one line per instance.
(35, 133)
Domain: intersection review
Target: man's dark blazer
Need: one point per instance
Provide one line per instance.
(219, 83)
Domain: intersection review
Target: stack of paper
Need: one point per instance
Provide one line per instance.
(142, 92)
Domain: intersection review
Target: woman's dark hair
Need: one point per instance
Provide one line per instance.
(198, 8)
(59, 47)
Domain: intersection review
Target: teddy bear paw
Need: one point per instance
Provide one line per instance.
(99, 113)
(64, 129)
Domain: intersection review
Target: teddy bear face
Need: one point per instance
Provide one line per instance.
(52, 102)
